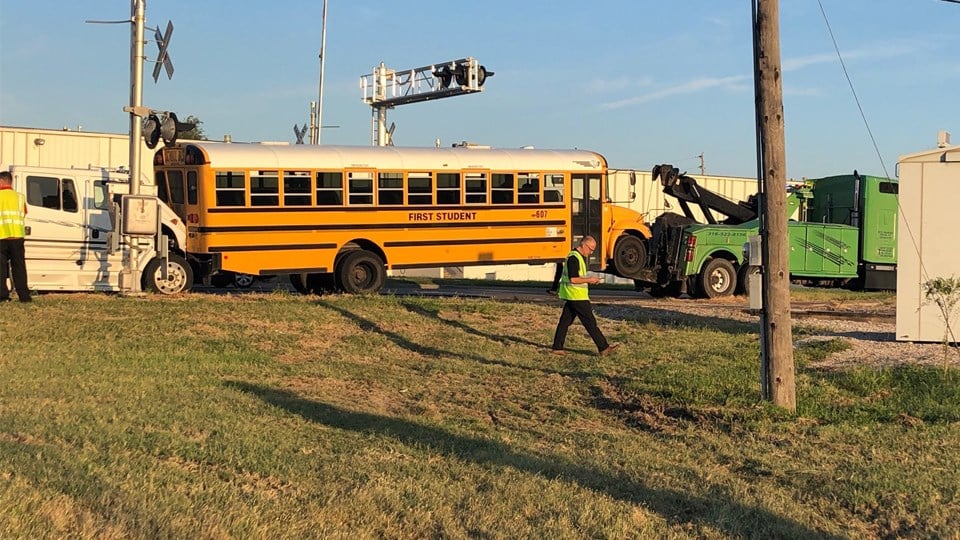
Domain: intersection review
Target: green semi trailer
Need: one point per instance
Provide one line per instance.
(844, 234)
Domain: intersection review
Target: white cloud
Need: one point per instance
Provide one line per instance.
(697, 85)
(618, 84)
(744, 82)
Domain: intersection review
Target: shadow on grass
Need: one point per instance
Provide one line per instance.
(435, 315)
(676, 319)
(369, 326)
(713, 509)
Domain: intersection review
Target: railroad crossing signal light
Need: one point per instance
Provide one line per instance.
(464, 73)
(482, 75)
(445, 75)
(166, 129)
(151, 131)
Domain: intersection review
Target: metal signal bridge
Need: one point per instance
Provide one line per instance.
(386, 88)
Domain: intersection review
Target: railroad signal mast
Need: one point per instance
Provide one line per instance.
(386, 88)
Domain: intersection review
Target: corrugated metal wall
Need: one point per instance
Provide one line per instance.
(69, 149)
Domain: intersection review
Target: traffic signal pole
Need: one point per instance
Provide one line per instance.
(777, 368)
(138, 10)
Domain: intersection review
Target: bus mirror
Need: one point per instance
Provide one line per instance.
(633, 178)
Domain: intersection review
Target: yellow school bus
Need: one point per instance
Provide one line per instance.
(338, 217)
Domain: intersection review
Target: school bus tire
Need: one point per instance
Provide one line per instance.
(718, 278)
(360, 272)
(629, 255)
(243, 281)
(179, 276)
(317, 284)
(298, 282)
(221, 280)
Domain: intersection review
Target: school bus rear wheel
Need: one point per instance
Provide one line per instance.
(360, 272)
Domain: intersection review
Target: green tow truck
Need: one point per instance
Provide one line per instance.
(845, 235)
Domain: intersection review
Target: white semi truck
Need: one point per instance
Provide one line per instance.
(73, 240)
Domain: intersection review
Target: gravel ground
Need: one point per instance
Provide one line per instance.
(871, 342)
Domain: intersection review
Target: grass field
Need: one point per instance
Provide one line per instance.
(279, 416)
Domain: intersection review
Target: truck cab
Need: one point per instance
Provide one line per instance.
(72, 241)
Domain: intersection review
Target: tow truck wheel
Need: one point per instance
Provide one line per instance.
(718, 278)
(629, 256)
(179, 276)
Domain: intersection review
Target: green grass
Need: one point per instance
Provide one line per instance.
(368, 417)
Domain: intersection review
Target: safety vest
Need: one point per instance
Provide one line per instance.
(12, 214)
(574, 291)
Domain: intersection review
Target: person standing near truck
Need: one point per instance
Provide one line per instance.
(574, 291)
(13, 213)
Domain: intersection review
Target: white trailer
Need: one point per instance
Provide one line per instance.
(73, 241)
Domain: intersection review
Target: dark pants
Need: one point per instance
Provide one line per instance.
(582, 310)
(12, 258)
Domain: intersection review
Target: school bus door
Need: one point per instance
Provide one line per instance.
(585, 208)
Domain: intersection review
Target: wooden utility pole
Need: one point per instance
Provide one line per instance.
(777, 369)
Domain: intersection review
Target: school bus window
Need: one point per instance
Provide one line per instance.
(476, 184)
(501, 189)
(448, 188)
(264, 188)
(552, 188)
(419, 188)
(191, 187)
(529, 185)
(330, 188)
(231, 188)
(175, 179)
(361, 187)
(390, 190)
(296, 188)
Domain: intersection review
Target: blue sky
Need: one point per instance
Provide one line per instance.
(639, 81)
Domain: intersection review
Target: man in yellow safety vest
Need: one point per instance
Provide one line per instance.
(576, 296)
(13, 212)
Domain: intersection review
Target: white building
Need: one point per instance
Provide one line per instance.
(70, 149)
(928, 218)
